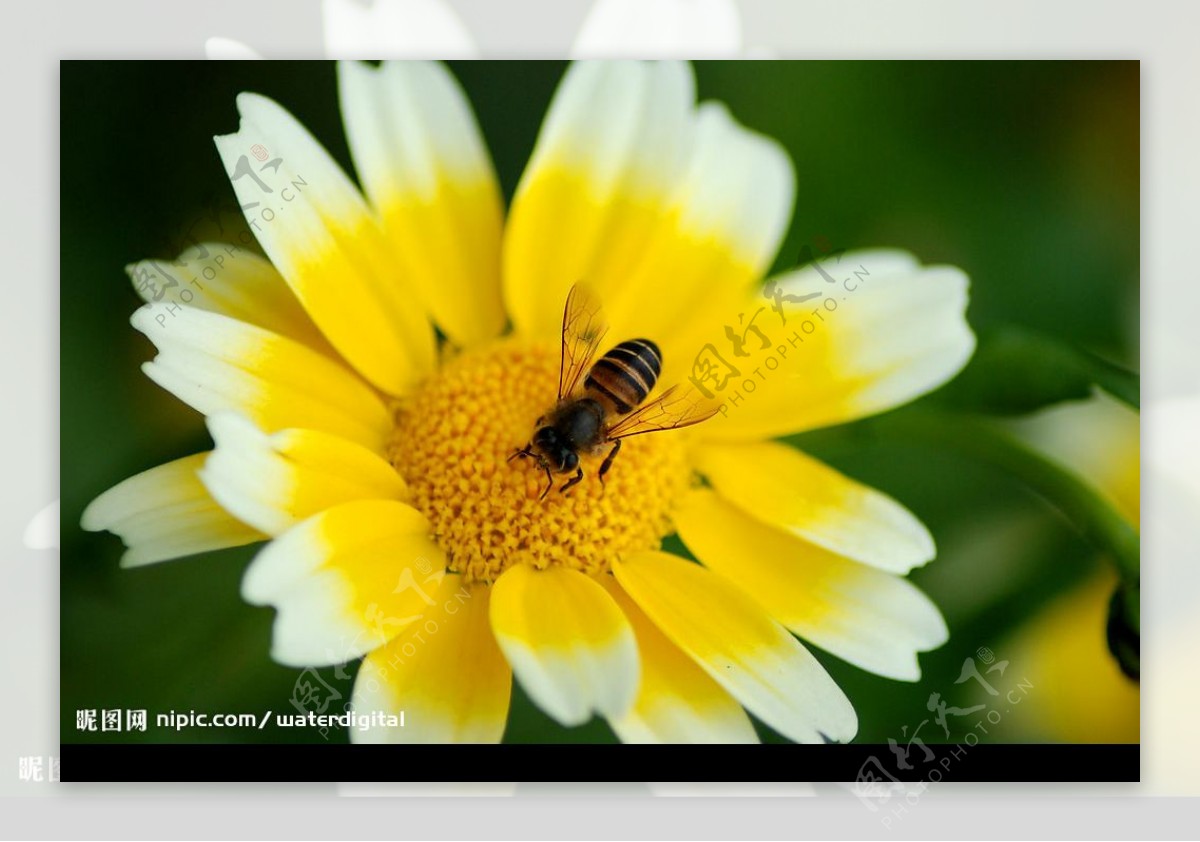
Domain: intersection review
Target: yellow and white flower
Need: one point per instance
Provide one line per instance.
(366, 387)
(1082, 696)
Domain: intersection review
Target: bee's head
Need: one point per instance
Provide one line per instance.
(556, 450)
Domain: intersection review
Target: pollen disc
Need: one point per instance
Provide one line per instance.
(452, 443)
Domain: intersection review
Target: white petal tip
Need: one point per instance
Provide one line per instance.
(42, 532)
(227, 49)
(407, 29)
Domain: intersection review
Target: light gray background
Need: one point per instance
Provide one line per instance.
(1161, 34)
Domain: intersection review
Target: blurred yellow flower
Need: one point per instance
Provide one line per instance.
(1080, 693)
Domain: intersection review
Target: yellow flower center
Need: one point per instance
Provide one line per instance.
(452, 445)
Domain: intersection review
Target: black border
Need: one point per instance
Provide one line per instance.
(194, 762)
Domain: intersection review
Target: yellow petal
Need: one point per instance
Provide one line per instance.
(1061, 651)
(635, 191)
(164, 513)
(445, 673)
(318, 231)
(424, 166)
(677, 702)
(885, 332)
(346, 581)
(783, 487)
(275, 481)
(214, 364)
(567, 641)
(734, 640)
(226, 279)
(872, 619)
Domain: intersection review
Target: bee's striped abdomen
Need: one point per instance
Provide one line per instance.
(625, 375)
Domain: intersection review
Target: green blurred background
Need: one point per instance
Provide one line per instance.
(1025, 174)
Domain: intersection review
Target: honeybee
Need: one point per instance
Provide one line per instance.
(606, 407)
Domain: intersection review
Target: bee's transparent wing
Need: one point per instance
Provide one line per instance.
(669, 411)
(583, 330)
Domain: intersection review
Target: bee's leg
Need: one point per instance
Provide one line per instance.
(572, 481)
(608, 460)
(549, 478)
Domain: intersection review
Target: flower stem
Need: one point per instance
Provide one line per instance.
(1119, 382)
(1079, 503)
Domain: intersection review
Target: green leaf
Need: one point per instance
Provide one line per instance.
(1015, 371)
